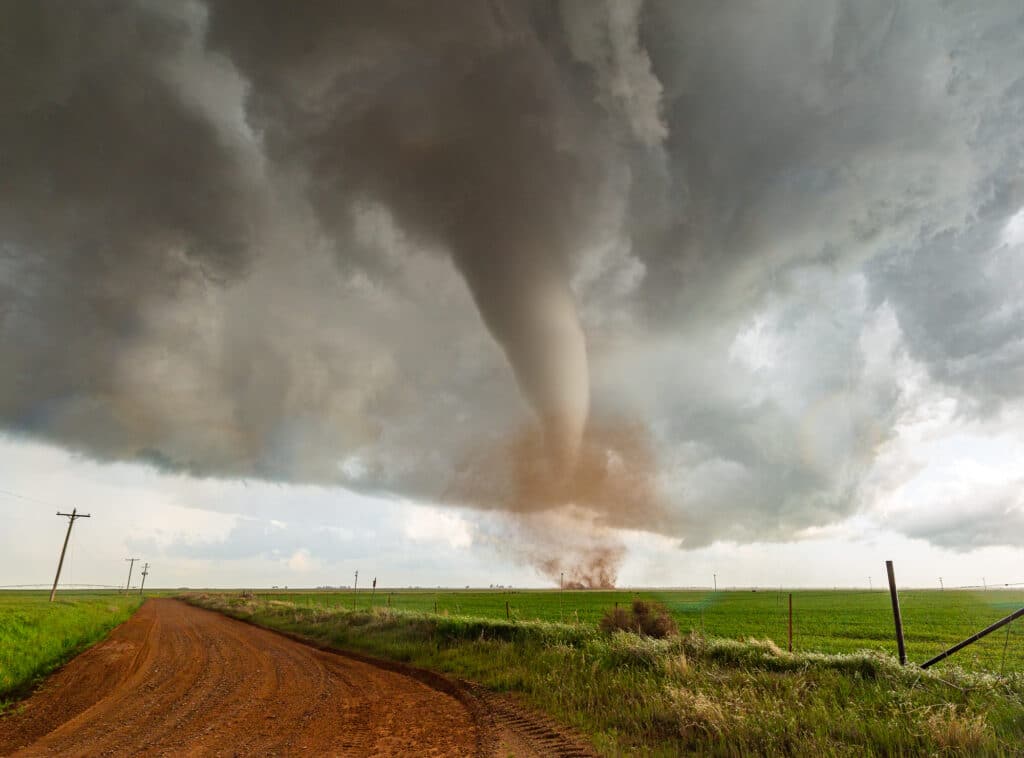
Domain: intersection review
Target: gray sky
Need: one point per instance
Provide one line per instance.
(484, 293)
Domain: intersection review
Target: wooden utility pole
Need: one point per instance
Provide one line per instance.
(131, 565)
(355, 591)
(561, 585)
(145, 573)
(896, 613)
(60, 564)
(715, 579)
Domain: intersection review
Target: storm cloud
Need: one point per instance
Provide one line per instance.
(675, 245)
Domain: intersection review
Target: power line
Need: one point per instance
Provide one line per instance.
(28, 499)
(63, 584)
(987, 585)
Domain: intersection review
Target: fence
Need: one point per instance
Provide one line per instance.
(833, 621)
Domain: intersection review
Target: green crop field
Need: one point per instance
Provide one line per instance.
(823, 620)
(37, 636)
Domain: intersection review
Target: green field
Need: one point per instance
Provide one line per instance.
(823, 620)
(37, 636)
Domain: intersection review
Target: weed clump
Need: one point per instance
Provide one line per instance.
(645, 618)
(956, 732)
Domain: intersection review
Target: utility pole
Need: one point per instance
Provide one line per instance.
(715, 579)
(60, 564)
(870, 586)
(145, 573)
(561, 586)
(941, 585)
(355, 590)
(131, 565)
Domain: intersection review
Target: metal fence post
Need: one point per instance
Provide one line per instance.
(896, 613)
(791, 622)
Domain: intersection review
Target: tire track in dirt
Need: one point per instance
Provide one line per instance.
(181, 680)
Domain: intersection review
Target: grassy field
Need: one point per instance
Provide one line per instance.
(692, 694)
(823, 620)
(37, 636)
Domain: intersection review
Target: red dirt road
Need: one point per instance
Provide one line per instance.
(179, 680)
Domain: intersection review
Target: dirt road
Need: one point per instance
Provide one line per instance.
(179, 680)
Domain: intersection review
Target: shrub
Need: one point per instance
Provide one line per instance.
(648, 619)
(654, 620)
(617, 620)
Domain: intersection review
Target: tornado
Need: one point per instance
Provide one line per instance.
(476, 138)
(530, 311)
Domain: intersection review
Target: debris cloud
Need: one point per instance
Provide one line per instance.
(566, 522)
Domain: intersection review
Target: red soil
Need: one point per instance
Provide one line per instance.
(179, 680)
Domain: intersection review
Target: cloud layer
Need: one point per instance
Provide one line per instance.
(373, 245)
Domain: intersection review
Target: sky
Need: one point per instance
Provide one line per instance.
(655, 293)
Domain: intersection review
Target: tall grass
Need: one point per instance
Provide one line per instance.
(37, 636)
(688, 694)
(828, 621)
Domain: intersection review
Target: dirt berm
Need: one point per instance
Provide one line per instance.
(180, 680)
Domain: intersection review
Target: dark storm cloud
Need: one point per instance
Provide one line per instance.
(797, 132)
(115, 195)
(985, 517)
(462, 120)
(246, 241)
(959, 302)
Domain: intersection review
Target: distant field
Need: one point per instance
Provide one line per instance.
(823, 620)
(37, 636)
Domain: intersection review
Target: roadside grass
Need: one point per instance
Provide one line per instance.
(827, 621)
(37, 636)
(684, 695)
